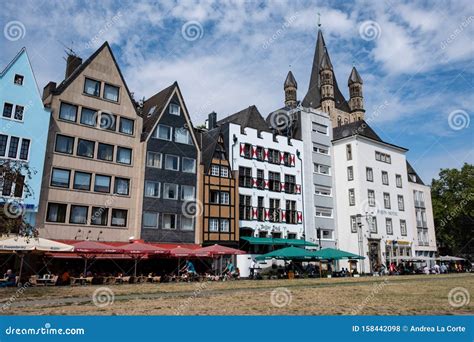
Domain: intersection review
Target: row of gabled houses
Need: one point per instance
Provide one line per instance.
(110, 169)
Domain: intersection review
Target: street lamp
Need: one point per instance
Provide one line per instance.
(361, 235)
(318, 235)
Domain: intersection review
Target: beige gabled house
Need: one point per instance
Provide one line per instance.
(93, 169)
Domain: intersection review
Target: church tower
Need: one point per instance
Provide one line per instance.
(356, 100)
(290, 86)
(327, 85)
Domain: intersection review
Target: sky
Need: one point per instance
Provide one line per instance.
(415, 58)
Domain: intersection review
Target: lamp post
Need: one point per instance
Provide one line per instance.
(361, 235)
(318, 235)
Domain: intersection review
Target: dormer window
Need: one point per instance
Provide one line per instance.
(18, 79)
(174, 109)
(151, 111)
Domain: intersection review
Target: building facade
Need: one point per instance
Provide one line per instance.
(92, 175)
(171, 170)
(219, 196)
(23, 133)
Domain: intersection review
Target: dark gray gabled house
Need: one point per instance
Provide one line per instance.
(171, 163)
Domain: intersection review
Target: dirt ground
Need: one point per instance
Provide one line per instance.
(395, 295)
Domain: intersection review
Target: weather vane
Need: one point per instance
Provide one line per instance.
(319, 19)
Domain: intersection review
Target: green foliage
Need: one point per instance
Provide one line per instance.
(453, 208)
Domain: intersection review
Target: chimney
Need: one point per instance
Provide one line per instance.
(48, 89)
(72, 63)
(212, 120)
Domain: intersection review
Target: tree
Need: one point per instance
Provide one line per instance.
(453, 208)
(14, 182)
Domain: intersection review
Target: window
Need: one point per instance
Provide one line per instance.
(322, 190)
(224, 225)
(320, 149)
(68, 112)
(383, 157)
(102, 183)
(245, 177)
(187, 223)
(170, 191)
(260, 179)
(163, 132)
(25, 149)
(372, 224)
(171, 162)
(64, 144)
(213, 225)
(7, 187)
(351, 197)
(388, 226)
(384, 177)
(182, 135)
(403, 227)
(401, 203)
(105, 152)
(260, 153)
(371, 197)
(121, 186)
(245, 207)
(349, 152)
(82, 180)
(353, 224)
(108, 121)
(323, 129)
(13, 148)
(19, 112)
(119, 217)
(398, 181)
(224, 172)
(111, 92)
(290, 184)
(274, 181)
(260, 209)
(322, 169)
(291, 214)
(323, 212)
(174, 109)
(18, 79)
(369, 174)
(126, 126)
(3, 144)
(224, 197)
(85, 148)
(189, 165)
(152, 189)
(99, 216)
(350, 173)
(150, 220)
(215, 170)
(88, 117)
(214, 197)
(273, 156)
(187, 192)
(19, 184)
(92, 87)
(274, 210)
(124, 155)
(60, 178)
(7, 110)
(153, 159)
(386, 200)
(56, 212)
(78, 214)
(169, 221)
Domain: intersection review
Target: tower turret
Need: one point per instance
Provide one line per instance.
(356, 100)
(327, 84)
(290, 86)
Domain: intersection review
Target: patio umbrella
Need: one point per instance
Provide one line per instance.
(26, 244)
(335, 254)
(216, 250)
(89, 249)
(289, 253)
(450, 258)
(140, 249)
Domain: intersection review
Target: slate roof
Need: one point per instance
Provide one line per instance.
(411, 171)
(158, 101)
(290, 80)
(313, 96)
(248, 117)
(354, 77)
(208, 144)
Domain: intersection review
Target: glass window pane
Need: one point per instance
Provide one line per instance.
(169, 221)
(82, 181)
(152, 189)
(64, 144)
(122, 186)
(150, 220)
(60, 178)
(99, 216)
(105, 152)
(89, 117)
(13, 148)
(56, 212)
(124, 155)
(126, 126)
(187, 223)
(25, 149)
(92, 87)
(85, 148)
(78, 214)
(111, 92)
(187, 192)
(108, 121)
(119, 217)
(170, 191)
(189, 165)
(68, 112)
(3, 144)
(153, 159)
(102, 183)
(163, 132)
(171, 162)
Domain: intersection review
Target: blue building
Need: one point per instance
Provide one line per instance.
(24, 124)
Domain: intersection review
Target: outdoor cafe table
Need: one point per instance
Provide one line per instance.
(45, 281)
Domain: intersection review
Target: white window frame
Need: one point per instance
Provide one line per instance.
(194, 165)
(351, 197)
(224, 197)
(182, 193)
(175, 221)
(215, 169)
(157, 216)
(182, 219)
(213, 225)
(157, 132)
(318, 212)
(165, 193)
(177, 158)
(224, 172)
(174, 106)
(319, 188)
(155, 153)
(159, 189)
(224, 225)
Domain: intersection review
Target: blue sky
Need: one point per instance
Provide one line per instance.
(415, 57)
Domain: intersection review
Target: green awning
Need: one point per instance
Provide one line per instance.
(289, 253)
(335, 254)
(276, 241)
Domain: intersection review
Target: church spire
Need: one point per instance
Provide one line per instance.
(290, 86)
(356, 100)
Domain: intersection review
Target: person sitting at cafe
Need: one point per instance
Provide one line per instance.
(65, 278)
(229, 269)
(10, 278)
(189, 268)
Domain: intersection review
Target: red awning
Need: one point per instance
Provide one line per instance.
(217, 250)
(92, 247)
(181, 252)
(111, 256)
(142, 248)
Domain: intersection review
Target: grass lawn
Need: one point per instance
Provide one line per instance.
(396, 295)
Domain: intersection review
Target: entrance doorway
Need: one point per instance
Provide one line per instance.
(374, 255)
